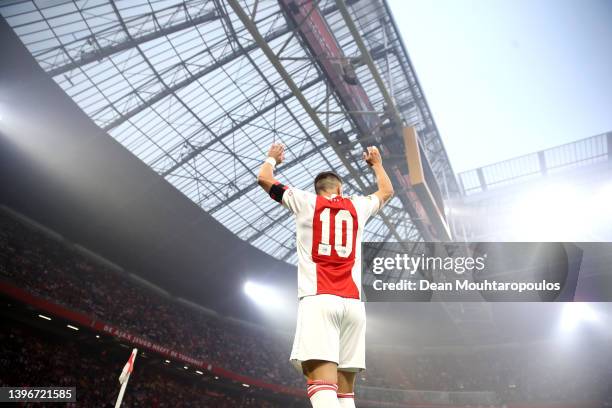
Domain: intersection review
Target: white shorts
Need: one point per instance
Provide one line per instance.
(330, 328)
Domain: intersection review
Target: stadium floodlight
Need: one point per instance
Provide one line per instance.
(575, 313)
(199, 372)
(167, 361)
(44, 317)
(263, 295)
(72, 327)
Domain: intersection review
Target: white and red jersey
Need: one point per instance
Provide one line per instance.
(329, 232)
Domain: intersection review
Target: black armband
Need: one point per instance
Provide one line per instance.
(277, 191)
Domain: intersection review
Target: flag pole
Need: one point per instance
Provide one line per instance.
(125, 376)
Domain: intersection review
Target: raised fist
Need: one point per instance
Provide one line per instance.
(372, 156)
(277, 151)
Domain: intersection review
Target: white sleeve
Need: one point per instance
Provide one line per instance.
(295, 199)
(367, 206)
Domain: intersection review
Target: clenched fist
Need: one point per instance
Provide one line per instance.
(277, 152)
(372, 156)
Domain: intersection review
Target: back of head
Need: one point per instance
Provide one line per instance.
(327, 182)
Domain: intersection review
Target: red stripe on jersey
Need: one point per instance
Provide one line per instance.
(333, 260)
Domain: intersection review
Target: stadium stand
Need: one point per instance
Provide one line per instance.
(51, 269)
(48, 361)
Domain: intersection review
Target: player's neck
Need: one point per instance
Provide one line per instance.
(328, 195)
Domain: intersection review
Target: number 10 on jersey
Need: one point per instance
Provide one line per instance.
(342, 231)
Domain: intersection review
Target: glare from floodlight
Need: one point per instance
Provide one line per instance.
(72, 327)
(601, 202)
(549, 213)
(263, 295)
(575, 313)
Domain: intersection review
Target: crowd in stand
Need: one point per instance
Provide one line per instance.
(51, 269)
(29, 358)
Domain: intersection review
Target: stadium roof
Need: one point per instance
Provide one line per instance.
(187, 88)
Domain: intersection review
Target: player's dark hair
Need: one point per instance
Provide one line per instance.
(326, 181)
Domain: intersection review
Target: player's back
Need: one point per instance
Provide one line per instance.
(329, 232)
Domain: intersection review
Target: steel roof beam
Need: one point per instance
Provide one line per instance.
(205, 71)
(237, 126)
(130, 42)
(367, 58)
(188, 108)
(181, 84)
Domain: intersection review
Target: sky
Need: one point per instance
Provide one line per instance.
(507, 78)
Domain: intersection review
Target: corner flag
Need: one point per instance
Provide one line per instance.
(128, 367)
(125, 376)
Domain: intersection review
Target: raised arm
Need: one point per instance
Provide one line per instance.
(265, 178)
(374, 160)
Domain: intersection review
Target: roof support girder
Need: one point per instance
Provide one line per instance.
(131, 42)
(169, 90)
(181, 84)
(367, 58)
(237, 126)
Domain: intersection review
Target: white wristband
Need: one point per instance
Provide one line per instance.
(271, 161)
